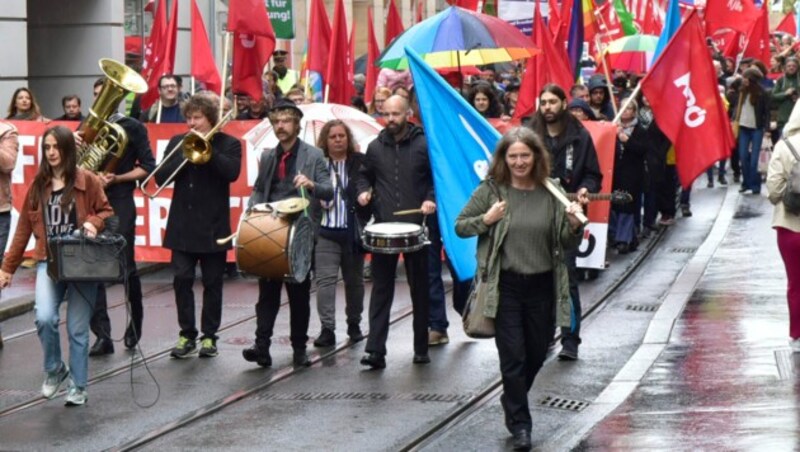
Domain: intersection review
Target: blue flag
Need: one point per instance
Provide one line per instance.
(460, 145)
(671, 24)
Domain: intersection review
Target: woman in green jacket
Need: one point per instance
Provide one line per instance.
(527, 278)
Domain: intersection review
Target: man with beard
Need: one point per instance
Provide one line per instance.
(284, 172)
(397, 176)
(574, 163)
(287, 78)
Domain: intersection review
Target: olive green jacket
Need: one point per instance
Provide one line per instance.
(470, 223)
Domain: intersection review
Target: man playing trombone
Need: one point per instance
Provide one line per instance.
(293, 168)
(198, 215)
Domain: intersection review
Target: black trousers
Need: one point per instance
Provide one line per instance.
(384, 270)
(212, 266)
(574, 331)
(525, 321)
(269, 302)
(125, 210)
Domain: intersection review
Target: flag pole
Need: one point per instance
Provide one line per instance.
(158, 112)
(327, 92)
(225, 50)
(307, 88)
(191, 85)
(603, 55)
(627, 102)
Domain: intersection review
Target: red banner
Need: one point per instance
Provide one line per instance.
(151, 221)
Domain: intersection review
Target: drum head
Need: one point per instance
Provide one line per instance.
(393, 229)
(301, 247)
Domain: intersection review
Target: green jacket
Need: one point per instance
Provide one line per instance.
(470, 223)
(782, 101)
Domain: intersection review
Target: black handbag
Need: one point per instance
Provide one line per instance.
(72, 259)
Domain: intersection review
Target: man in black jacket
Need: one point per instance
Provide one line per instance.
(574, 163)
(397, 176)
(198, 215)
(284, 172)
(120, 181)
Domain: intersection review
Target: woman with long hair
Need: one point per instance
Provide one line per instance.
(483, 97)
(337, 247)
(378, 98)
(23, 106)
(752, 112)
(62, 199)
(523, 230)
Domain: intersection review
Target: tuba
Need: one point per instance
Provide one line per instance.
(104, 142)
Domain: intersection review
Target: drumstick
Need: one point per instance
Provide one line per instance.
(227, 239)
(563, 199)
(407, 212)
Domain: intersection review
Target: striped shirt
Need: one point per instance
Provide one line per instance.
(334, 212)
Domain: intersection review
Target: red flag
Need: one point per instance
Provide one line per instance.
(739, 15)
(338, 76)
(471, 5)
(251, 54)
(553, 18)
(154, 49)
(686, 102)
(250, 17)
(420, 7)
(547, 67)
(319, 38)
(394, 24)
(758, 39)
(788, 24)
(164, 62)
(729, 42)
(203, 67)
(651, 25)
(372, 55)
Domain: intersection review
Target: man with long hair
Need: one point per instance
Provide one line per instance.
(575, 164)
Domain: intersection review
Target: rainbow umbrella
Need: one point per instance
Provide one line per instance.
(631, 53)
(458, 37)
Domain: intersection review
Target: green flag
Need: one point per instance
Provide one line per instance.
(625, 18)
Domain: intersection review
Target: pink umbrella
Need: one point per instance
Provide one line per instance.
(365, 128)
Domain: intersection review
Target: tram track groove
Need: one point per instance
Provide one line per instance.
(451, 420)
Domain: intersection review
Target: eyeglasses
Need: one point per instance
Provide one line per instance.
(169, 86)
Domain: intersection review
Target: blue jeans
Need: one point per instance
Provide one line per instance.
(710, 171)
(749, 148)
(80, 298)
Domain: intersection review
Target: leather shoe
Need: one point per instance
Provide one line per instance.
(257, 355)
(327, 338)
(374, 360)
(354, 331)
(131, 337)
(569, 349)
(300, 359)
(421, 359)
(102, 346)
(521, 440)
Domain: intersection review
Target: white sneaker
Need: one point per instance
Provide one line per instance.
(54, 380)
(795, 345)
(76, 396)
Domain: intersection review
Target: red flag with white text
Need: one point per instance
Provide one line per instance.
(204, 68)
(154, 49)
(739, 15)
(253, 44)
(686, 102)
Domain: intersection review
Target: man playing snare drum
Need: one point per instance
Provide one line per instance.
(292, 169)
(397, 176)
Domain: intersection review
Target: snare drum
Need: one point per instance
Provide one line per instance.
(394, 238)
(274, 246)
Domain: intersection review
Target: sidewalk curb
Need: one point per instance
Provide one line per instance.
(22, 304)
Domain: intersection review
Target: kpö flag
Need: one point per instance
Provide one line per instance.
(686, 103)
(460, 146)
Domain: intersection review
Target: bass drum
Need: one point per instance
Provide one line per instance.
(275, 246)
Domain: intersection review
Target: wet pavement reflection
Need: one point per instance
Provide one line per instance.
(727, 379)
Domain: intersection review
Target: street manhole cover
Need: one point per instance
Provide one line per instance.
(687, 250)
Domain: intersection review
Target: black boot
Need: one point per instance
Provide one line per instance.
(326, 338)
(258, 355)
(102, 346)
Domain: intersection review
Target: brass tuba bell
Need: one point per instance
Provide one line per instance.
(104, 142)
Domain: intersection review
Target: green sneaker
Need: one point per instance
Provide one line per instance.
(208, 348)
(184, 348)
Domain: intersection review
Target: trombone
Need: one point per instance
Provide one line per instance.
(196, 149)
